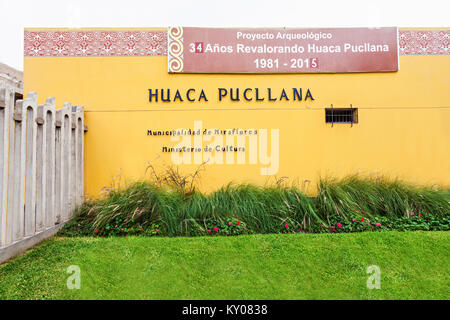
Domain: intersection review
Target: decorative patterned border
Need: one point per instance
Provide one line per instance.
(95, 43)
(155, 43)
(175, 54)
(424, 42)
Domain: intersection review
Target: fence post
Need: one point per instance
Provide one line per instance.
(45, 205)
(40, 171)
(73, 162)
(80, 155)
(49, 165)
(30, 127)
(66, 131)
(16, 170)
(58, 166)
(6, 105)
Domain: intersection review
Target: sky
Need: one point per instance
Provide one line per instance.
(15, 15)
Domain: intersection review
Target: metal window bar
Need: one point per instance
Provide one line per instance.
(341, 115)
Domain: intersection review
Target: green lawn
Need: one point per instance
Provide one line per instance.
(414, 265)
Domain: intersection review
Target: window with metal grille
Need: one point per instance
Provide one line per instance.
(341, 115)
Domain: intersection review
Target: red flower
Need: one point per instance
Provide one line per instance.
(362, 219)
(286, 226)
(209, 231)
(420, 214)
(216, 229)
(238, 222)
(96, 231)
(339, 225)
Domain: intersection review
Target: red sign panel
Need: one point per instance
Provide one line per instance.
(324, 50)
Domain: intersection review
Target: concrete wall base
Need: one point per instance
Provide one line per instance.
(24, 244)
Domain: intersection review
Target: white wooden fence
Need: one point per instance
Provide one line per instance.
(41, 169)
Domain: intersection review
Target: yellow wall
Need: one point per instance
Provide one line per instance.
(403, 129)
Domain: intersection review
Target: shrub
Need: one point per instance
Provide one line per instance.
(424, 222)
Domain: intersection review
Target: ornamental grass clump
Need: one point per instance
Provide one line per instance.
(176, 208)
(138, 205)
(371, 197)
(142, 204)
(263, 209)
